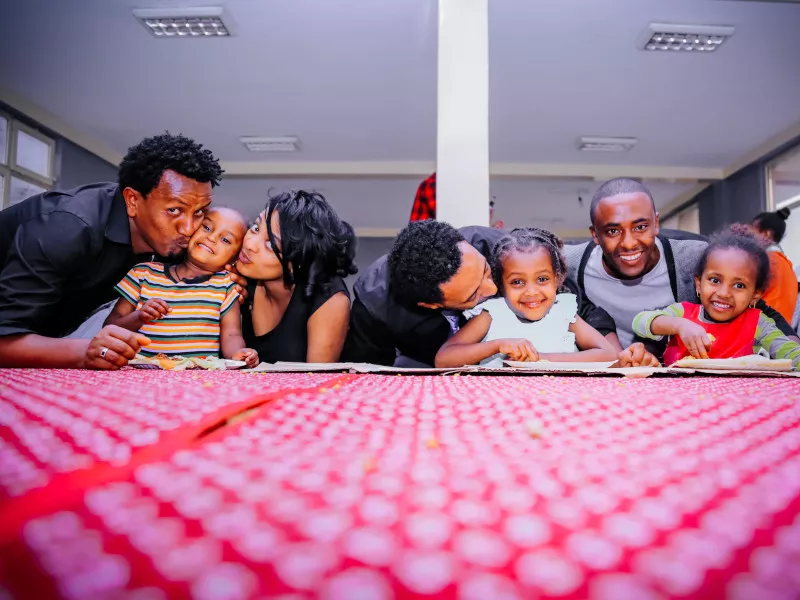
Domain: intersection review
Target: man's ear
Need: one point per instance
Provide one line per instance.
(594, 235)
(132, 198)
(657, 225)
(432, 306)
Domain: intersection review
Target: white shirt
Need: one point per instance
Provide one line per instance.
(549, 334)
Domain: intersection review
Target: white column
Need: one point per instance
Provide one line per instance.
(462, 151)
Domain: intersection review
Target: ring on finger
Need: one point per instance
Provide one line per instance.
(103, 352)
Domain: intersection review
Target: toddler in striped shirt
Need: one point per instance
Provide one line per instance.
(189, 309)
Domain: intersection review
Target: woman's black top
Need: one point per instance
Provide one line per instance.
(288, 341)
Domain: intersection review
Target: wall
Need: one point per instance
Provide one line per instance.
(739, 197)
(736, 199)
(76, 166)
(369, 249)
(687, 219)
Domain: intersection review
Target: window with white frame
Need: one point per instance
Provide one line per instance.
(27, 161)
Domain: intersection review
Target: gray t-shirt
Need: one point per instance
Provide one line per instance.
(624, 299)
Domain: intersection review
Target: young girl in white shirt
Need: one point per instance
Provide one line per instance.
(533, 320)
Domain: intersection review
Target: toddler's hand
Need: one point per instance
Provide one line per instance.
(636, 355)
(695, 338)
(248, 355)
(519, 350)
(153, 309)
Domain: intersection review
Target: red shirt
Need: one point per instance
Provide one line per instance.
(425, 200)
(731, 340)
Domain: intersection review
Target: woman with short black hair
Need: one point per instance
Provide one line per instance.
(296, 255)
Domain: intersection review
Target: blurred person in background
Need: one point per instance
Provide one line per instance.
(781, 291)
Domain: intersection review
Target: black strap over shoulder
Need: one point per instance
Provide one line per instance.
(582, 266)
(670, 258)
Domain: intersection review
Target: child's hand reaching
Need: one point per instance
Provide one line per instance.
(636, 355)
(153, 309)
(519, 350)
(695, 338)
(248, 355)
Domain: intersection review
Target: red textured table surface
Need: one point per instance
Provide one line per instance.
(54, 422)
(465, 487)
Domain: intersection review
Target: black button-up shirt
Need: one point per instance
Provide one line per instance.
(61, 254)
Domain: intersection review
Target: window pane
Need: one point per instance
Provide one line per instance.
(3, 139)
(2, 191)
(21, 190)
(785, 177)
(33, 154)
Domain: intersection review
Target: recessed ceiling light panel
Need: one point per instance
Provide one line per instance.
(606, 144)
(271, 144)
(204, 22)
(671, 37)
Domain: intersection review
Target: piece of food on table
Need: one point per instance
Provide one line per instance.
(165, 362)
(181, 363)
(753, 362)
(210, 363)
(535, 428)
(162, 361)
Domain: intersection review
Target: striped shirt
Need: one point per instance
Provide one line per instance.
(769, 337)
(192, 327)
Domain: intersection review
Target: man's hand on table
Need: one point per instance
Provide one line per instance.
(112, 348)
(636, 355)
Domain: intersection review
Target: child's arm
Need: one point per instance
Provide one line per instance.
(594, 347)
(466, 347)
(773, 340)
(126, 316)
(231, 340)
(654, 324)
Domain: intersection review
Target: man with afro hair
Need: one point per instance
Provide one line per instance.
(408, 303)
(62, 252)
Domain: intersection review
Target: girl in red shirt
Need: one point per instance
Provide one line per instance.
(731, 277)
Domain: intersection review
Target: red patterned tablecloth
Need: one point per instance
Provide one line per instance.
(348, 486)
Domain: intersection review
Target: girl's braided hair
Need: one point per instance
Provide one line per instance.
(528, 239)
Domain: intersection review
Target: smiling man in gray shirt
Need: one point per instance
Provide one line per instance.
(631, 266)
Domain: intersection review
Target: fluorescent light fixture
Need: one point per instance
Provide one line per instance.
(184, 22)
(606, 144)
(683, 38)
(271, 144)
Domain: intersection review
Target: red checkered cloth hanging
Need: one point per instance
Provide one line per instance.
(425, 201)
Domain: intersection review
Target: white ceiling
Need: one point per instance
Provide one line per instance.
(565, 68)
(356, 81)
